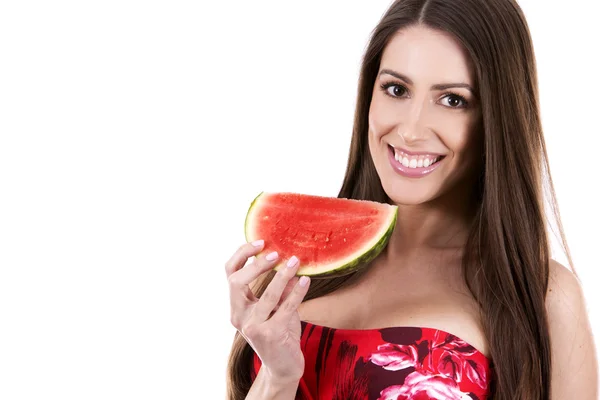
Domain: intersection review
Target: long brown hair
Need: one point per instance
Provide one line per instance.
(507, 254)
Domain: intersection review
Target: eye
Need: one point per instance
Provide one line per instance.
(455, 101)
(396, 90)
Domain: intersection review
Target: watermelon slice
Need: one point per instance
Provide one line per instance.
(330, 236)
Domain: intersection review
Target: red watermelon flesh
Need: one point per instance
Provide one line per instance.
(330, 236)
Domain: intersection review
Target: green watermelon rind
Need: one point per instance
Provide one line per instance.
(357, 260)
(362, 260)
(248, 215)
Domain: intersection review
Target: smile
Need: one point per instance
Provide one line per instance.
(413, 165)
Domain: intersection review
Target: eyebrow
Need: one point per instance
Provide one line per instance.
(439, 86)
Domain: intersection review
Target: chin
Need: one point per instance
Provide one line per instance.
(402, 193)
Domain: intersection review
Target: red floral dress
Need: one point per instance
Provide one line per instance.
(398, 363)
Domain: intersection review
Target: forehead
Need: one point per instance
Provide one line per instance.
(428, 56)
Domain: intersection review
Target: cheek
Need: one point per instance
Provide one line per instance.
(383, 116)
(458, 133)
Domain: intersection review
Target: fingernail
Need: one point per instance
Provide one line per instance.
(272, 256)
(292, 262)
(303, 281)
(258, 243)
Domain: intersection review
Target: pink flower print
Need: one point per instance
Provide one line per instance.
(419, 386)
(451, 342)
(475, 373)
(450, 364)
(395, 357)
(448, 356)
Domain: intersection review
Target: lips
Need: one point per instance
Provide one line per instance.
(414, 153)
(413, 165)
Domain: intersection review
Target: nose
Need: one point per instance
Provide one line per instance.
(412, 128)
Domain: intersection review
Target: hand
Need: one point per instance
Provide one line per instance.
(271, 324)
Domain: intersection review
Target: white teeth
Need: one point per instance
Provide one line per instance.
(415, 161)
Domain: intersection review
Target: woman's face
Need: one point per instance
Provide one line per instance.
(423, 116)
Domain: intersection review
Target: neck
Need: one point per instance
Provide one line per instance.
(442, 223)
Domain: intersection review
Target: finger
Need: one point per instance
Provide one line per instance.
(288, 289)
(292, 302)
(240, 294)
(239, 258)
(243, 277)
(286, 292)
(272, 294)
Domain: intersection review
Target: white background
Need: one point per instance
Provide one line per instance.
(133, 136)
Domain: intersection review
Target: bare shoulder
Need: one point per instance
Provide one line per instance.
(574, 363)
(565, 300)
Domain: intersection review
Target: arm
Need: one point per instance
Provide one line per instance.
(265, 388)
(574, 363)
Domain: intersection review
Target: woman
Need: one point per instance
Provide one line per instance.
(465, 301)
